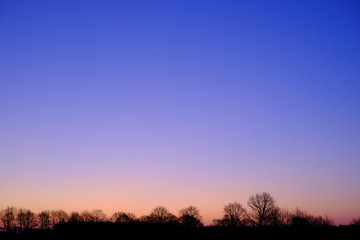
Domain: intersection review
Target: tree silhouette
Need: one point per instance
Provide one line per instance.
(30, 219)
(86, 216)
(190, 217)
(234, 215)
(25, 219)
(58, 216)
(98, 215)
(20, 218)
(161, 224)
(161, 215)
(95, 215)
(264, 211)
(44, 219)
(122, 217)
(75, 217)
(8, 217)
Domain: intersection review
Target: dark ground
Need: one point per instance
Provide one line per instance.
(153, 231)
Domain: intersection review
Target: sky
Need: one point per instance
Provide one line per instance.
(128, 105)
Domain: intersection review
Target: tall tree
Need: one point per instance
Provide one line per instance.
(8, 217)
(44, 219)
(98, 215)
(25, 219)
(234, 215)
(264, 210)
(58, 216)
(161, 215)
(190, 217)
(30, 219)
(86, 216)
(75, 217)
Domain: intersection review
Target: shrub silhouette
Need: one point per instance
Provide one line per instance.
(302, 219)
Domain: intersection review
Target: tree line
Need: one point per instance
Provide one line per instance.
(262, 211)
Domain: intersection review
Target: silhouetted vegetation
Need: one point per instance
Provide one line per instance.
(235, 215)
(190, 217)
(264, 211)
(263, 218)
(355, 222)
(121, 217)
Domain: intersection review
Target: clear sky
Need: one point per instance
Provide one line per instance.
(126, 105)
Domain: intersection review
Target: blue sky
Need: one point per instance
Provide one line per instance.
(244, 96)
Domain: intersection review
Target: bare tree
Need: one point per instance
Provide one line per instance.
(8, 217)
(145, 219)
(20, 218)
(44, 219)
(122, 217)
(25, 219)
(235, 215)
(86, 216)
(30, 219)
(58, 216)
(75, 217)
(264, 210)
(95, 215)
(98, 215)
(162, 215)
(190, 217)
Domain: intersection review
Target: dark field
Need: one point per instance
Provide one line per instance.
(160, 231)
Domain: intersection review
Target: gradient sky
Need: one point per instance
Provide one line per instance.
(126, 105)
